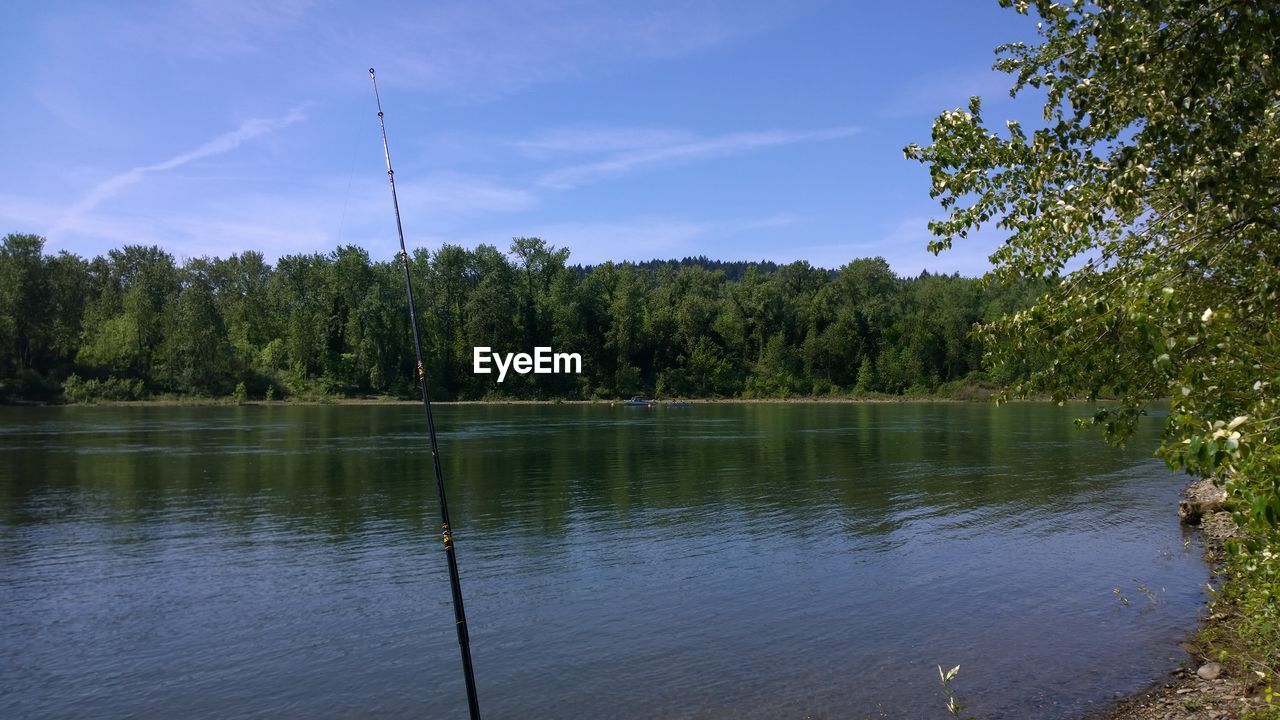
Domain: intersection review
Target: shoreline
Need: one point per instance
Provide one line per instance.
(221, 402)
(1201, 688)
(311, 401)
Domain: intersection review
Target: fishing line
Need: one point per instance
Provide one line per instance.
(346, 198)
(446, 532)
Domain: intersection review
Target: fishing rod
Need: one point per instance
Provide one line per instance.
(446, 532)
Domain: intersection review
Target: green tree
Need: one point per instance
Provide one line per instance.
(449, 277)
(133, 321)
(625, 338)
(377, 332)
(23, 314)
(539, 265)
(492, 316)
(1149, 197)
(587, 330)
(774, 373)
(134, 290)
(67, 286)
(866, 376)
(241, 287)
(302, 297)
(198, 353)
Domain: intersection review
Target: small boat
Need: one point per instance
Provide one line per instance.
(638, 401)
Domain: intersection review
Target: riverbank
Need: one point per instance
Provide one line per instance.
(220, 402)
(968, 394)
(1212, 683)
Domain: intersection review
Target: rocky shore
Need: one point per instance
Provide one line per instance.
(1203, 688)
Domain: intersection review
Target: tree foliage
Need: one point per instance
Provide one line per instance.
(1148, 194)
(134, 322)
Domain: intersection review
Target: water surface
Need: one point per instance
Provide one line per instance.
(722, 561)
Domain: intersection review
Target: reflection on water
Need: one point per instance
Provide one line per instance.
(754, 561)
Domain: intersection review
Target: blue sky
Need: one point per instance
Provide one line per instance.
(623, 131)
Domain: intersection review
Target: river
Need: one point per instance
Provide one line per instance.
(718, 561)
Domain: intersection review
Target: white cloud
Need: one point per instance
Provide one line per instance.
(476, 51)
(446, 197)
(211, 29)
(224, 143)
(628, 160)
(315, 217)
(460, 50)
(590, 140)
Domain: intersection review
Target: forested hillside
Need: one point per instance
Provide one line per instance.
(135, 323)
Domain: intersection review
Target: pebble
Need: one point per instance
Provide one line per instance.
(1209, 671)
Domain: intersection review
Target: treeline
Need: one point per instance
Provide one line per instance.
(134, 323)
(733, 270)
